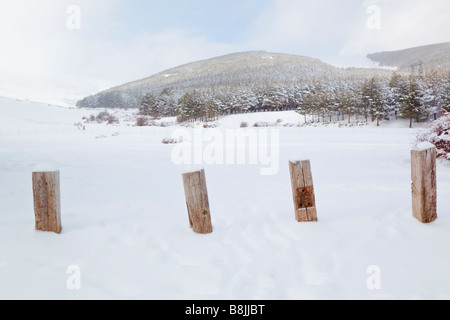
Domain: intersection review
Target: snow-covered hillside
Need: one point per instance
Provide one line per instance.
(233, 73)
(430, 56)
(125, 225)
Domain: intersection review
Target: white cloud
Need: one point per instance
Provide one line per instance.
(35, 35)
(328, 27)
(36, 41)
(148, 54)
(404, 24)
(302, 26)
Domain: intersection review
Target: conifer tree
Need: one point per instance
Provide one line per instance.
(146, 105)
(412, 107)
(446, 93)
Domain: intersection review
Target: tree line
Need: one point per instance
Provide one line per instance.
(416, 97)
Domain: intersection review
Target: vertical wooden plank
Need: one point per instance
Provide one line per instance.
(47, 201)
(197, 202)
(424, 186)
(303, 191)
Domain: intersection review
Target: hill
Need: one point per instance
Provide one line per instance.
(435, 55)
(231, 72)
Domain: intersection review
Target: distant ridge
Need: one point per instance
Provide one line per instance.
(435, 55)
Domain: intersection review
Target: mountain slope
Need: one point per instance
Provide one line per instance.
(243, 70)
(227, 68)
(436, 55)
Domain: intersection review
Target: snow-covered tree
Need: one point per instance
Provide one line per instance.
(446, 93)
(379, 110)
(412, 106)
(165, 103)
(146, 105)
(395, 92)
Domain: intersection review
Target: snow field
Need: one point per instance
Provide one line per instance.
(125, 222)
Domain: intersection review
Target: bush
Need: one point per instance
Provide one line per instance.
(171, 141)
(263, 124)
(181, 119)
(166, 124)
(102, 117)
(244, 125)
(112, 119)
(210, 125)
(142, 122)
(438, 133)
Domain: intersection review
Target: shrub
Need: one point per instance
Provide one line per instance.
(208, 125)
(112, 119)
(102, 117)
(142, 122)
(181, 119)
(438, 133)
(166, 124)
(263, 124)
(244, 125)
(170, 141)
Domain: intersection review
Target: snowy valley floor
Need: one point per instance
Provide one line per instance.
(125, 220)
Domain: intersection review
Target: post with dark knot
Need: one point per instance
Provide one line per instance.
(303, 191)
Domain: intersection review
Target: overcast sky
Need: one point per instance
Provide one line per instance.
(115, 41)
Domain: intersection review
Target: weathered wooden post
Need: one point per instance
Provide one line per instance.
(424, 188)
(197, 201)
(303, 191)
(47, 205)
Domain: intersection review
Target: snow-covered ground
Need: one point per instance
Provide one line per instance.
(354, 61)
(125, 225)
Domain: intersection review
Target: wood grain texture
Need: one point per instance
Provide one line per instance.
(197, 202)
(303, 191)
(424, 187)
(47, 203)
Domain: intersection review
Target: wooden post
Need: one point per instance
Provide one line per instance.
(197, 202)
(303, 191)
(47, 205)
(424, 189)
